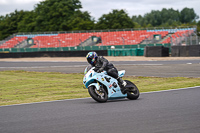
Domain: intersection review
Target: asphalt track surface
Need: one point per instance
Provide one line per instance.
(174, 68)
(176, 111)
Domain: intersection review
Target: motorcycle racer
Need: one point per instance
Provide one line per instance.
(100, 63)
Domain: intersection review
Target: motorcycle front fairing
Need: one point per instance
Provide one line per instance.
(92, 78)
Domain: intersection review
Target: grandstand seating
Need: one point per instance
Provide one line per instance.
(108, 38)
(13, 42)
(61, 40)
(178, 34)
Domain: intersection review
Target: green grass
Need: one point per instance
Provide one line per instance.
(18, 87)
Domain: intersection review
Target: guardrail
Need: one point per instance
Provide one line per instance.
(78, 48)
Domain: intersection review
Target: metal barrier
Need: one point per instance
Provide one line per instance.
(185, 39)
(79, 48)
(126, 52)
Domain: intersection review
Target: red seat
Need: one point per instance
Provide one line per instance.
(13, 42)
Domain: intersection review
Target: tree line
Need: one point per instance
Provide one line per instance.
(66, 15)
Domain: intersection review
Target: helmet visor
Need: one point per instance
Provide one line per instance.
(91, 60)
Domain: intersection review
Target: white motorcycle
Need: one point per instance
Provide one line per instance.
(103, 87)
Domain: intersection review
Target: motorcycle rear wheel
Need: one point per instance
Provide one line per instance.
(99, 96)
(132, 91)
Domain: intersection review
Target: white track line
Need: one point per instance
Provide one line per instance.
(45, 102)
(86, 65)
(140, 64)
(170, 90)
(47, 66)
(90, 97)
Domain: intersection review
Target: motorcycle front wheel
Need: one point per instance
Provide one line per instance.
(98, 95)
(132, 91)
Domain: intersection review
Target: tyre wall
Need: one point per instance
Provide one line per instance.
(156, 51)
(185, 51)
(51, 54)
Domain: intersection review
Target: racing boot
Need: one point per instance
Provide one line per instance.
(122, 85)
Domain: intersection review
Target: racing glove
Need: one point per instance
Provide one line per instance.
(100, 70)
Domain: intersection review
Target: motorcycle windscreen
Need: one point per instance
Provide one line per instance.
(87, 69)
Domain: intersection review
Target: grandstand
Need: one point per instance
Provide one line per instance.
(13, 42)
(105, 38)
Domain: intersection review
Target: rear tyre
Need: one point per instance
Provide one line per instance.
(132, 90)
(98, 95)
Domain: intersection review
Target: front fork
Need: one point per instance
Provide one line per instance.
(97, 85)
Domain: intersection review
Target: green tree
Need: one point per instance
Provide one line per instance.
(154, 18)
(188, 15)
(9, 23)
(117, 19)
(54, 15)
(81, 21)
(51, 13)
(27, 24)
(48, 15)
(198, 28)
(168, 17)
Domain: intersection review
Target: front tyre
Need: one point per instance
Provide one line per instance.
(132, 90)
(98, 95)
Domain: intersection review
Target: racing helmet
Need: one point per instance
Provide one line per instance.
(91, 57)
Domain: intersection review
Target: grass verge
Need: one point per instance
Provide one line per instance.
(18, 87)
